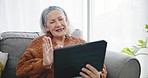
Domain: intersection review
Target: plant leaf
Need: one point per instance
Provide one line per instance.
(141, 41)
(146, 27)
(128, 51)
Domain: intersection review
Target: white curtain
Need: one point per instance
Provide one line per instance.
(24, 15)
(120, 22)
(20, 15)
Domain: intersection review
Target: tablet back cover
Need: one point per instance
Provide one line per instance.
(68, 61)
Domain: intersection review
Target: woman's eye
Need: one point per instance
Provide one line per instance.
(51, 22)
(60, 19)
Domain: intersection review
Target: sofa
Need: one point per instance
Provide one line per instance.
(118, 65)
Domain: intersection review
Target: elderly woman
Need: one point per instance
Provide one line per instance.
(37, 61)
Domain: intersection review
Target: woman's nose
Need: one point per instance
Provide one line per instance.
(58, 23)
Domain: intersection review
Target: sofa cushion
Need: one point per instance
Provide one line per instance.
(14, 43)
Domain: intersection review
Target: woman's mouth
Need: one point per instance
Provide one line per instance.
(59, 29)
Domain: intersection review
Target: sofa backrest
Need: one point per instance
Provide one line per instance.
(14, 43)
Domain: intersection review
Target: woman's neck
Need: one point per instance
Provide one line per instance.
(59, 40)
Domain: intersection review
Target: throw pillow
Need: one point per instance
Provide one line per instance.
(3, 59)
(1, 66)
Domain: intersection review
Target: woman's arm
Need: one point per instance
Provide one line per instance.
(28, 65)
(31, 62)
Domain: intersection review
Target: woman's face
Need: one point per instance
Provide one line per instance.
(56, 23)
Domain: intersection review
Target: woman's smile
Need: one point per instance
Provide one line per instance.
(60, 29)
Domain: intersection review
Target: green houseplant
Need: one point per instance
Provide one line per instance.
(141, 44)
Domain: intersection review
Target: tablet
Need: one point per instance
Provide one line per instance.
(68, 61)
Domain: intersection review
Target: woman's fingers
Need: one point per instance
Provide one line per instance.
(91, 68)
(47, 51)
(48, 43)
(49, 39)
(90, 72)
(84, 75)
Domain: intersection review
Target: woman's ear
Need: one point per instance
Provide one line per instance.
(46, 28)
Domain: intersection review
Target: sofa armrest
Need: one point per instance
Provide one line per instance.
(121, 65)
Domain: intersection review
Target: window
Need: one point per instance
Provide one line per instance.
(24, 15)
(120, 22)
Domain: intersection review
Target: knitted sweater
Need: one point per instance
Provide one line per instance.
(31, 62)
